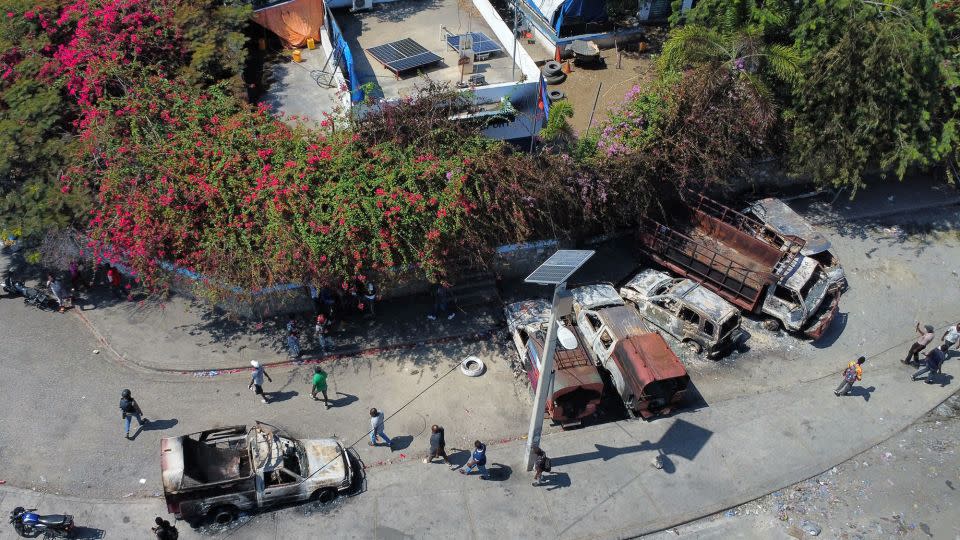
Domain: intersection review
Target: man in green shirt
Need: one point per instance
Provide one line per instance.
(320, 385)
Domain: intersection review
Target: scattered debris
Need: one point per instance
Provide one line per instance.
(810, 527)
(96, 351)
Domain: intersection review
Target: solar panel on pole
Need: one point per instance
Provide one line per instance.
(559, 267)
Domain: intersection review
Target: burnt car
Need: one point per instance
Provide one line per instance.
(217, 473)
(784, 221)
(577, 384)
(645, 371)
(691, 313)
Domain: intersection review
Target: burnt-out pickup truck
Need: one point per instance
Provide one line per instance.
(721, 249)
(217, 473)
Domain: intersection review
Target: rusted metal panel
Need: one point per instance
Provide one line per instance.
(623, 321)
(656, 376)
(822, 320)
(781, 218)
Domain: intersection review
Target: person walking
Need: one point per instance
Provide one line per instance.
(438, 446)
(376, 428)
(164, 530)
(950, 337)
(256, 380)
(540, 466)
(129, 409)
(293, 344)
(441, 303)
(59, 292)
(320, 330)
(932, 364)
(852, 374)
(478, 460)
(319, 385)
(926, 336)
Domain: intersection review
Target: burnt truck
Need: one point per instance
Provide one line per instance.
(217, 473)
(648, 375)
(577, 385)
(723, 250)
(782, 221)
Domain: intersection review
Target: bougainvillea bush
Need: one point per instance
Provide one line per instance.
(229, 191)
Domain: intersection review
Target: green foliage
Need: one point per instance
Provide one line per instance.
(215, 41)
(871, 87)
(557, 125)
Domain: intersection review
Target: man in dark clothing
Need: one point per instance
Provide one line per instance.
(540, 466)
(441, 303)
(932, 364)
(129, 408)
(437, 445)
(164, 530)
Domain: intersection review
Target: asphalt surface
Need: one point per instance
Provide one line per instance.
(764, 421)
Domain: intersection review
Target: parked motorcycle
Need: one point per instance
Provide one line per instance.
(33, 296)
(29, 525)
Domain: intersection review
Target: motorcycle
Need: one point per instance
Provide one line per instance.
(29, 525)
(33, 296)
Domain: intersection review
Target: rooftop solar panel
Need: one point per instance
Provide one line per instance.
(403, 55)
(482, 44)
(559, 267)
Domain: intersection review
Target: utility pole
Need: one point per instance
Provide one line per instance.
(554, 271)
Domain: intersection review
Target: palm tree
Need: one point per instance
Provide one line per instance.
(742, 52)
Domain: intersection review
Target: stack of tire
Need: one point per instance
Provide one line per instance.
(553, 74)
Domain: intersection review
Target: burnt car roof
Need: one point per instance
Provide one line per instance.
(597, 296)
(623, 321)
(690, 291)
(779, 216)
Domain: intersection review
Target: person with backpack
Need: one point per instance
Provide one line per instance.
(129, 408)
(932, 364)
(478, 460)
(852, 374)
(320, 330)
(540, 466)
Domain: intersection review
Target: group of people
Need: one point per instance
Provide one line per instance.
(64, 294)
(930, 365)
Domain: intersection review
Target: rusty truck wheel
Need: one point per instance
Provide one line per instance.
(223, 515)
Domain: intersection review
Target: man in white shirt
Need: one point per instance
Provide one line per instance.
(950, 337)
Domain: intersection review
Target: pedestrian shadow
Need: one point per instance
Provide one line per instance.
(557, 480)
(498, 472)
(88, 533)
(401, 442)
(682, 439)
(159, 425)
(342, 401)
(458, 457)
(861, 391)
(943, 379)
(282, 395)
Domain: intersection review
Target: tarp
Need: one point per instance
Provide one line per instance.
(293, 21)
(555, 11)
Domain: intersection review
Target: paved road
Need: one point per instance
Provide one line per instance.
(759, 430)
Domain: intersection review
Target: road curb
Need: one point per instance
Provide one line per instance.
(308, 360)
(889, 212)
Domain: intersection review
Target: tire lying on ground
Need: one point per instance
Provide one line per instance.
(555, 95)
(472, 366)
(551, 68)
(556, 79)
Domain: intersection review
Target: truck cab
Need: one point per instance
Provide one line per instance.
(646, 373)
(802, 300)
(220, 472)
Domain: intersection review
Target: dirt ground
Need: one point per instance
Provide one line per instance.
(905, 487)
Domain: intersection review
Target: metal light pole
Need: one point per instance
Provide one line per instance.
(513, 73)
(554, 271)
